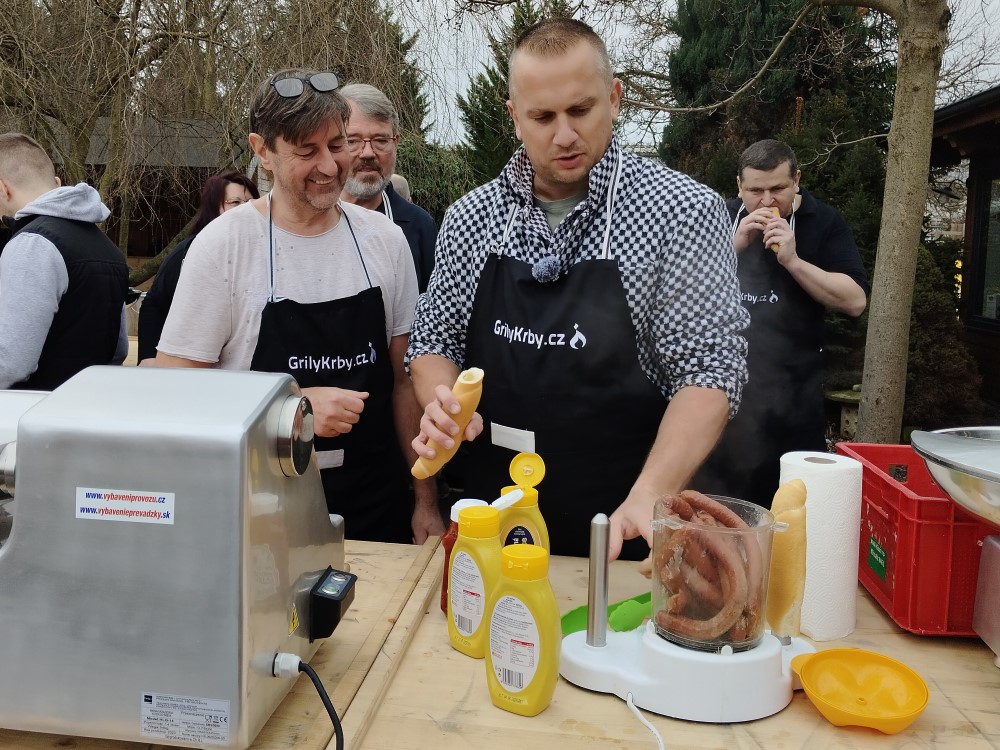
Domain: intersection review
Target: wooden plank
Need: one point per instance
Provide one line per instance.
(347, 686)
(369, 696)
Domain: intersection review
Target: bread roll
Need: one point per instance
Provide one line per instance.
(787, 578)
(776, 212)
(789, 496)
(468, 389)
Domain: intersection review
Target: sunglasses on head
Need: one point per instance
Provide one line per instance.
(293, 86)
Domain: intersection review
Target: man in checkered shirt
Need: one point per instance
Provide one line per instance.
(597, 290)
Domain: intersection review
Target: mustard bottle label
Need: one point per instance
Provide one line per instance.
(513, 643)
(519, 535)
(468, 594)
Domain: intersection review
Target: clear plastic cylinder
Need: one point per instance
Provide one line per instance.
(711, 558)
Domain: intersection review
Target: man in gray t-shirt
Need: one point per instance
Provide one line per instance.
(298, 282)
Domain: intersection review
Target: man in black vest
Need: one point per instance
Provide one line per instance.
(62, 281)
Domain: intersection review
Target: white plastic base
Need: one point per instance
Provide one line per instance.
(670, 680)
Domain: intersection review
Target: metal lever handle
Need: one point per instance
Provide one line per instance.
(597, 592)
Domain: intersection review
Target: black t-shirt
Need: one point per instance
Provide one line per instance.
(156, 304)
(785, 336)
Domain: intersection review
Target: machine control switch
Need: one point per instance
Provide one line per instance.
(328, 601)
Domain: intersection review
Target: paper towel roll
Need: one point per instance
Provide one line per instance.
(833, 531)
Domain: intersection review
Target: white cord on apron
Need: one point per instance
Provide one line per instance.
(270, 248)
(612, 197)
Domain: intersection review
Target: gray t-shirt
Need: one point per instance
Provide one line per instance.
(556, 211)
(224, 282)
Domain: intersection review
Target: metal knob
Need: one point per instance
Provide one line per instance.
(8, 460)
(295, 436)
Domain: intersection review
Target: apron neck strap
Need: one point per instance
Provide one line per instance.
(270, 247)
(508, 226)
(609, 207)
(612, 197)
(270, 250)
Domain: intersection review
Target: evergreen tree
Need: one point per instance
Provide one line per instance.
(832, 85)
(408, 95)
(490, 139)
(833, 80)
(438, 175)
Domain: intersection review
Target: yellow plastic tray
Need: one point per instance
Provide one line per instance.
(854, 687)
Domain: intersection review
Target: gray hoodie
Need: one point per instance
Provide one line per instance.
(33, 278)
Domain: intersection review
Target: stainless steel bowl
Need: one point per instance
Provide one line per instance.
(965, 462)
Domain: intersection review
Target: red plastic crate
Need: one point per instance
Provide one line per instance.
(919, 551)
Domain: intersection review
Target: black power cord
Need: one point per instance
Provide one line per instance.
(288, 665)
(338, 730)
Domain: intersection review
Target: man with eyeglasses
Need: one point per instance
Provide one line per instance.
(63, 283)
(298, 282)
(372, 137)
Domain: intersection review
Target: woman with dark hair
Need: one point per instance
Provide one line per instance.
(221, 192)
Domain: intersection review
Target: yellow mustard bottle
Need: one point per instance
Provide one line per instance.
(522, 522)
(473, 573)
(468, 389)
(525, 638)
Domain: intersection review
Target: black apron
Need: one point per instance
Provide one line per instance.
(782, 405)
(342, 343)
(561, 360)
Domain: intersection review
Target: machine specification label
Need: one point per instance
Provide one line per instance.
(125, 505)
(184, 719)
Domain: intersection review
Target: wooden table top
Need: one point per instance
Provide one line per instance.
(439, 699)
(398, 684)
(392, 589)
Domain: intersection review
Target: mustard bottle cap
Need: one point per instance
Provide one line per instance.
(524, 562)
(465, 502)
(527, 469)
(528, 496)
(479, 522)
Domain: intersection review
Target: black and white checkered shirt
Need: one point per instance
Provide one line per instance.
(670, 235)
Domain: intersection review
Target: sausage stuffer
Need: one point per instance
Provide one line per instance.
(669, 679)
(166, 531)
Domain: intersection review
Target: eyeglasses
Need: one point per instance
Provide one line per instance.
(234, 202)
(380, 144)
(293, 86)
